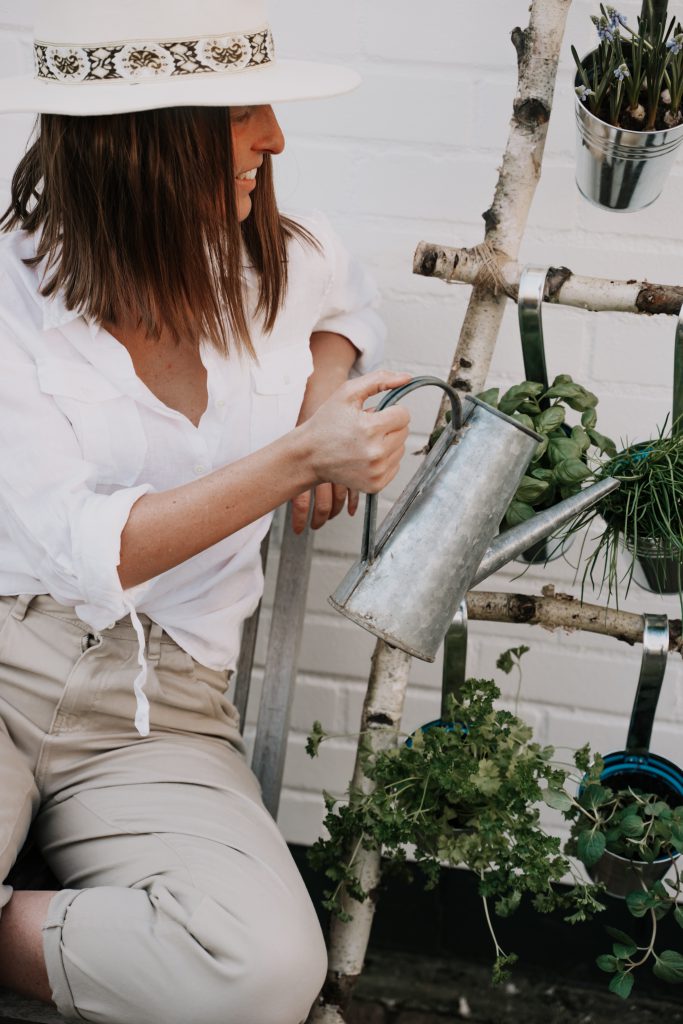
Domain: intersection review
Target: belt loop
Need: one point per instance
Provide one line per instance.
(154, 643)
(21, 604)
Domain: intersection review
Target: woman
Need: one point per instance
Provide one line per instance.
(162, 331)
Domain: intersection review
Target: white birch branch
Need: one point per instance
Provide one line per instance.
(538, 49)
(563, 286)
(380, 722)
(562, 611)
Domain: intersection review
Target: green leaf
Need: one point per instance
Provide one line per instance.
(315, 738)
(631, 826)
(607, 963)
(540, 450)
(571, 471)
(621, 984)
(487, 779)
(542, 473)
(595, 795)
(605, 444)
(669, 966)
(506, 905)
(678, 916)
(506, 660)
(517, 395)
(550, 419)
(561, 448)
(557, 798)
(530, 490)
(563, 389)
(623, 951)
(589, 418)
(584, 400)
(590, 847)
(518, 512)
(620, 936)
(524, 420)
(581, 437)
(638, 903)
(490, 396)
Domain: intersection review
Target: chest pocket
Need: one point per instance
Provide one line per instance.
(106, 423)
(278, 384)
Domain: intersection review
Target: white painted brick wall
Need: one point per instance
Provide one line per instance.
(413, 154)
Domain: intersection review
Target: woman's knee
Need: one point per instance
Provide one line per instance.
(267, 970)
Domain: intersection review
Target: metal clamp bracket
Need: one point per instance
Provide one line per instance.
(530, 314)
(677, 408)
(652, 669)
(454, 659)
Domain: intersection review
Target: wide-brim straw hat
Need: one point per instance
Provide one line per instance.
(96, 57)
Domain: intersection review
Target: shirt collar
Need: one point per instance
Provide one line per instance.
(56, 315)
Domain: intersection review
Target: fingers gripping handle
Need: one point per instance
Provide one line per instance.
(370, 521)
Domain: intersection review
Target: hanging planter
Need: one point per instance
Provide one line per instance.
(643, 518)
(622, 170)
(621, 872)
(629, 111)
(658, 566)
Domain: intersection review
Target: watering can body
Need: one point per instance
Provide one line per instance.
(416, 570)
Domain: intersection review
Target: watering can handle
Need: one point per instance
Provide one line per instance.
(652, 669)
(370, 522)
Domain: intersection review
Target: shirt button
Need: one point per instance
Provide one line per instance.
(199, 469)
(220, 403)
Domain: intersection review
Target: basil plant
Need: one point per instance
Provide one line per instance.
(564, 458)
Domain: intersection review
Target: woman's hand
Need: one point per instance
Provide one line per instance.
(352, 449)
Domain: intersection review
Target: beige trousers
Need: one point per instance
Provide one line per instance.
(181, 902)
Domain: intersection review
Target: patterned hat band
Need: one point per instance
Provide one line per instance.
(147, 60)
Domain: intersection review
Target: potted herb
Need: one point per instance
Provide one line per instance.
(629, 109)
(644, 517)
(564, 460)
(561, 462)
(463, 791)
(627, 828)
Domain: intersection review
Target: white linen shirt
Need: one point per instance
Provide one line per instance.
(82, 438)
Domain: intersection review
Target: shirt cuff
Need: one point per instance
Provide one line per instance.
(365, 331)
(96, 543)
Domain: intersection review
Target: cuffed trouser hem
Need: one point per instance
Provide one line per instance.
(52, 950)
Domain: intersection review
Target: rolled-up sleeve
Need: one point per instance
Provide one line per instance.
(351, 300)
(68, 534)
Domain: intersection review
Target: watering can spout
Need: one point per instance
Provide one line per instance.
(518, 539)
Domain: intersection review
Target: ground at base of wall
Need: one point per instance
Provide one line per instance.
(406, 989)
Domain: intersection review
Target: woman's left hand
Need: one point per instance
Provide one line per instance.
(333, 357)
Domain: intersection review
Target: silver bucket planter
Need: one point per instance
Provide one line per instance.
(618, 169)
(620, 876)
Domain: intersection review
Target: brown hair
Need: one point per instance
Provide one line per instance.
(137, 214)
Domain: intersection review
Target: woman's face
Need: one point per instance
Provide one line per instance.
(255, 131)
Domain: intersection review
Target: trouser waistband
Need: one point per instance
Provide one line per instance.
(155, 634)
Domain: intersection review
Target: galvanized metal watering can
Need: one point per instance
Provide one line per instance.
(435, 543)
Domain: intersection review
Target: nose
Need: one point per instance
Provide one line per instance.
(269, 137)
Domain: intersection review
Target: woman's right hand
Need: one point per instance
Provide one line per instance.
(358, 448)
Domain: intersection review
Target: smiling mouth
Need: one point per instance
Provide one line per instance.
(247, 175)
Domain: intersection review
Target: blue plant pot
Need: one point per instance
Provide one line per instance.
(653, 774)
